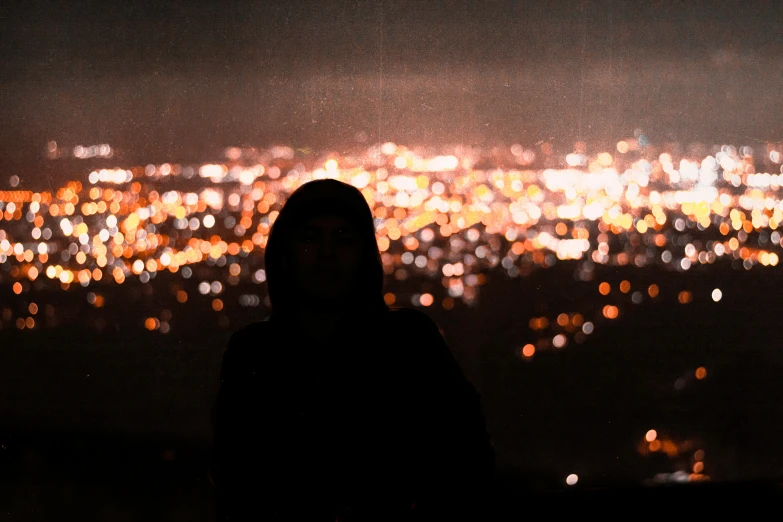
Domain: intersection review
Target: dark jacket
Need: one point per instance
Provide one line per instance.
(375, 423)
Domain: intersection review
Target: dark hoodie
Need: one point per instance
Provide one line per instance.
(376, 423)
(317, 197)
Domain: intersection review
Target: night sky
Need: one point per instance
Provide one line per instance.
(178, 81)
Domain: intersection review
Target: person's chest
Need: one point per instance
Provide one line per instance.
(355, 382)
(347, 407)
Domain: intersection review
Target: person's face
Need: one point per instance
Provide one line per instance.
(324, 257)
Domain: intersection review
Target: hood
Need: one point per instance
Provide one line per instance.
(312, 198)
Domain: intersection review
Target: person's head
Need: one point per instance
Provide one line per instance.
(322, 251)
(324, 257)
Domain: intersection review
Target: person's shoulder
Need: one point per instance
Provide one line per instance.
(420, 337)
(252, 330)
(403, 313)
(411, 318)
(248, 338)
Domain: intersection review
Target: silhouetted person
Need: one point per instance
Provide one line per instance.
(338, 407)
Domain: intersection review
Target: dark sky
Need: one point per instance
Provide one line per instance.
(170, 81)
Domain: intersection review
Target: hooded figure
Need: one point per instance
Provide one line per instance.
(338, 408)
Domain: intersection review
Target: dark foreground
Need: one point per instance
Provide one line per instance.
(115, 424)
(79, 477)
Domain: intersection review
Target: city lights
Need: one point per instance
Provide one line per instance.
(438, 216)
